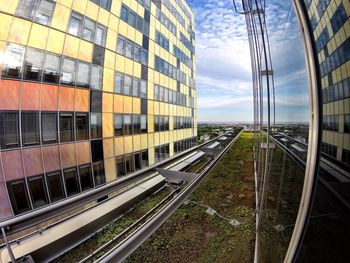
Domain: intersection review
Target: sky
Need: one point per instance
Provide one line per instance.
(224, 85)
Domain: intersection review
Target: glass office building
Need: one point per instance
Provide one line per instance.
(90, 91)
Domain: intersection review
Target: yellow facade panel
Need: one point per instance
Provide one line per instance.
(38, 36)
(123, 28)
(92, 10)
(144, 141)
(118, 103)
(107, 102)
(55, 41)
(108, 148)
(113, 22)
(150, 107)
(80, 6)
(156, 108)
(128, 66)
(138, 38)
(115, 7)
(107, 124)
(151, 159)
(108, 80)
(60, 17)
(8, 6)
(109, 59)
(128, 104)
(150, 123)
(110, 171)
(103, 17)
(119, 146)
(111, 41)
(128, 144)
(136, 108)
(120, 63)
(19, 31)
(67, 3)
(150, 140)
(5, 24)
(156, 139)
(161, 138)
(137, 143)
(137, 69)
(71, 46)
(85, 51)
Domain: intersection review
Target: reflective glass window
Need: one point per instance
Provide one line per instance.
(106, 4)
(26, 8)
(13, 61)
(143, 89)
(9, 130)
(137, 53)
(124, 13)
(33, 64)
(19, 197)
(82, 126)
(68, 71)
(30, 128)
(85, 177)
(100, 36)
(118, 83)
(132, 19)
(89, 29)
(99, 173)
(75, 25)
(44, 12)
(144, 158)
(143, 124)
(129, 49)
(127, 85)
(55, 185)
(120, 166)
(129, 163)
(49, 127)
(118, 125)
(137, 161)
(66, 127)
(96, 77)
(121, 45)
(51, 70)
(83, 74)
(95, 101)
(37, 191)
(136, 87)
(96, 125)
(71, 181)
(136, 124)
(127, 125)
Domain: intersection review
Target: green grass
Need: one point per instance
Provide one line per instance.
(191, 235)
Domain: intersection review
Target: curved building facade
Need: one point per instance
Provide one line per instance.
(90, 91)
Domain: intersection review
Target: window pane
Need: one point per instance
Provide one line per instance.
(83, 74)
(82, 125)
(49, 127)
(127, 85)
(71, 181)
(129, 163)
(68, 71)
(120, 166)
(44, 12)
(144, 158)
(129, 49)
(136, 124)
(9, 130)
(121, 45)
(19, 197)
(100, 37)
(51, 72)
(96, 77)
(33, 64)
(26, 8)
(136, 88)
(132, 19)
(124, 13)
(143, 123)
(137, 53)
(66, 127)
(144, 57)
(30, 128)
(118, 125)
(89, 28)
(137, 161)
(85, 177)
(75, 24)
(96, 125)
(106, 4)
(127, 125)
(143, 89)
(95, 101)
(54, 182)
(13, 60)
(118, 83)
(99, 173)
(38, 192)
